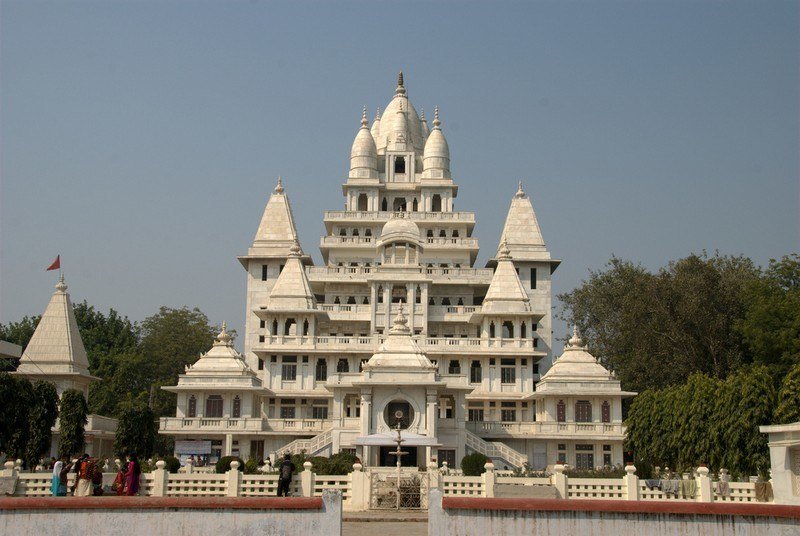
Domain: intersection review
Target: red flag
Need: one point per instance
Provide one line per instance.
(56, 264)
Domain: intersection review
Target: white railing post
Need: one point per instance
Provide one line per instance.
(189, 466)
(433, 475)
(704, 485)
(307, 480)
(234, 480)
(559, 480)
(488, 479)
(631, 482)
(160, 478)
(359, 491)
(8, 469)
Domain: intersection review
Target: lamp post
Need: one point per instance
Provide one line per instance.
(398, 415)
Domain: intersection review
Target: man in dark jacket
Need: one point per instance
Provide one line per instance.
(285, 476)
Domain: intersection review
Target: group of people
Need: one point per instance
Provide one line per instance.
(89, 477)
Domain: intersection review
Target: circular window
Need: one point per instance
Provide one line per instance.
(398, 410)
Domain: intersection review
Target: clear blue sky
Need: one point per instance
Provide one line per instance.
(141, 139)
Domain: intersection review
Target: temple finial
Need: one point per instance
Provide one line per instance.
(436, 121)
(61, 286)
(224, 337)
(295, 250)
(520, 192)
(576, 340)
(401, 89)
(378, 113)
(505, 253)
(279, 186)
(364, 120)
(422, 114)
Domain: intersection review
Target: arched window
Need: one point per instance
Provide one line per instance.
(384, 205)
(561, 411)
(399, 164)
(366, 300)
(342, 232)
(351, 300)
(274, 327)
(436, 203)
(192, 410)
(342, 365)
(491, 330)
(523, 331)
(431, 302)
(362, 202)
(583, 411)
(429, 234)
(336, 300)
(461, 301)
(415, 205)
(455, 233)
(445, 301)
(442, 233)
(214, 406)
(508, 330)
(289, 326)
(399, 204)
(418, 295)
(355, 232)
(236, 412)
(605, 411)
(322, 370)
(368, 232)
(305, 327)
(380, 294)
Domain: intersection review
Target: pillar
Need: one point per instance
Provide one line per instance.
(411, 293)
(366, 410)
(631, 482)
(160, 478)
(228, 451)
(307, 480)
(488, 479)
(704, 485)
(559, 480)
(233, 480)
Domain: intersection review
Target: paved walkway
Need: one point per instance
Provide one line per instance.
(385, 523)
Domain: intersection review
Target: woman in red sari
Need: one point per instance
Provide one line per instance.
(132, 472)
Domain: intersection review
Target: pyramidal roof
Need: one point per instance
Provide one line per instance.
(276, 232)
(521, 231)
(221, 361)
(291, 291)
(506, 293)
(577, 365)
(399, 350)
(56, 346)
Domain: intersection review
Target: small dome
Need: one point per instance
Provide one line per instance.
(436, 157)
(400, 229)
(364, 154)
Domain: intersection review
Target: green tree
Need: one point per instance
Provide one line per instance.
(655, 330)
(172, 339)
(72, 421)
(42, 417)
(136, 430)
(17, 333)
(788, 410)
(104, 335)
(771, 326)
(18, 398)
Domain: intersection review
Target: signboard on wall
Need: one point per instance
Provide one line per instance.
(192, 447)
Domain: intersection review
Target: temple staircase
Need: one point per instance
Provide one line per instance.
(309, 447)
(496, 450)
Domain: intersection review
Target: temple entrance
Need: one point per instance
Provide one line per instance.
(387, 459)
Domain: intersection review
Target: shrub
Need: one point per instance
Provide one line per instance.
(224, 464)
(251, 466)
(173, 464)
(472, 464)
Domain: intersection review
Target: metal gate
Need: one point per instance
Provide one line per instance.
(413, 491)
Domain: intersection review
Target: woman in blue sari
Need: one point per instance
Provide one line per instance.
(57, 467)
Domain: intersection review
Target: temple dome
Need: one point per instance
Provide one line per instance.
(364, 154)
(436, 157)
(400, 229)
(407, 120)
